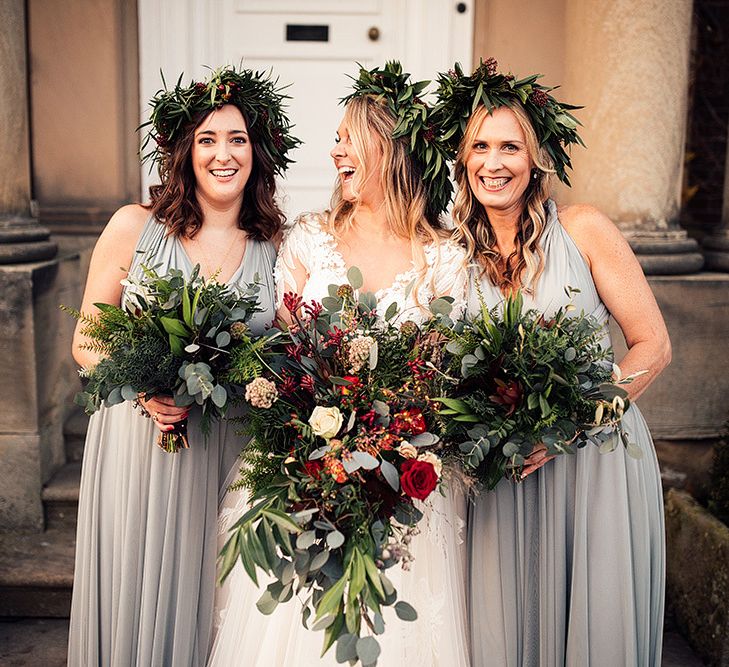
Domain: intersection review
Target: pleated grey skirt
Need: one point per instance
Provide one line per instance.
(144, 580)
(567, 567)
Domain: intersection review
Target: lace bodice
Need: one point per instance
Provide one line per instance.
(315, 248)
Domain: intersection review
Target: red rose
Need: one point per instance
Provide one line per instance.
(418, 478)
(313, 468)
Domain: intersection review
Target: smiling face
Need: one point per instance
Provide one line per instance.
(498, 164)
(358, 166)
(222, 156)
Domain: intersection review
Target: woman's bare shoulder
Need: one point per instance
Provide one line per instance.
(119, 238)
(592, 230)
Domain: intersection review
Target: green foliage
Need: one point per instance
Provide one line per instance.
(459, 95)
(254, 93)
(341, 489)
(173, 336)
(246, 361)
(415, 125)
(526, 381)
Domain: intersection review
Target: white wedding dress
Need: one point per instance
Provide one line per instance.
(436, 583)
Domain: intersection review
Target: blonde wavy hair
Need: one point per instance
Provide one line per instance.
(370, 125)
(472, 227)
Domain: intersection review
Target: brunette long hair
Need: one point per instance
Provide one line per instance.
(473, 229)
(174, 203)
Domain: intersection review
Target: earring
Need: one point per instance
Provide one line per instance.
(535, 174)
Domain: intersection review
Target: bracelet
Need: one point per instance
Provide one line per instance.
(137, 405)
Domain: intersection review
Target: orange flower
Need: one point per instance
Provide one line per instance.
(334, 468)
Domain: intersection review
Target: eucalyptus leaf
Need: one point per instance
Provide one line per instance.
(324, 622)
(346, 648)
(305, 539)
(354, 276)
(335, 539)
(319, 560)
(405, 611)
(222, 339)
(219, 395)
(115, 396)
(128, 393)
(368, 650)
(267, 603)
(389, 472)
(423, 439)
(391, 311)
(365, 460)
(441, 306)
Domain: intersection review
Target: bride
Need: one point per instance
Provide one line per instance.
(385, 221)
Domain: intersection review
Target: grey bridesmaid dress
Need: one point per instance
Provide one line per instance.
(567, 567)
(144, 579)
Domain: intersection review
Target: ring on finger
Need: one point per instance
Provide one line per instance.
(156, 416)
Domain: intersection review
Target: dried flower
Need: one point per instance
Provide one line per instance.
(335, 469)
(409, 328)
(239, 330)
(359, 351)
(345, 292)
(261, 393)
(539, 98)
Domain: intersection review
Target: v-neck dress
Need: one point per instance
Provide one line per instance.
(144, 579)
(436, 583)
(567, 567)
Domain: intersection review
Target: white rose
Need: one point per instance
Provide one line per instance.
(434, 460)
(325, 422)
(407, 451)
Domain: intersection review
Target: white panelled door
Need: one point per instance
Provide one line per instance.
(312, 45)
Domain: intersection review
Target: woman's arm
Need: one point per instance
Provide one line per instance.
(625, 292)
(291, 272)
(110, 262)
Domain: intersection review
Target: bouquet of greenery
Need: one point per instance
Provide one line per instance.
(526, 380)
(184, 338)
(345, 440)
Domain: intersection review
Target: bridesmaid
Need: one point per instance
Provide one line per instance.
(567, 567)
(144, 579)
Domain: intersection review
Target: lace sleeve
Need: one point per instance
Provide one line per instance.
(451, 276)
(293, 262)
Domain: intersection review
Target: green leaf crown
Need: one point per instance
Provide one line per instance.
(460, 95)
(254, 93)
(414, 120)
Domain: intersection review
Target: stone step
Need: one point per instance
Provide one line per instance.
(36, 573)
(74, 435)
(36, 642)
(60, 497)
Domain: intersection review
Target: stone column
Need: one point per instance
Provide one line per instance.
(21, 238)
(716, 246)
(627, 63)
(35, 337)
